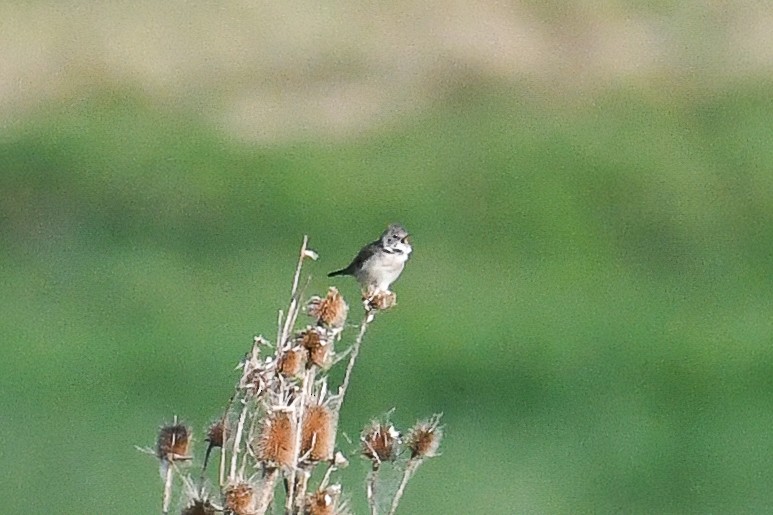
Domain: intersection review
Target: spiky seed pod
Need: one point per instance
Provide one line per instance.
(321, 356)
(216, 434)
(380, 443)
(318, 434)
(276, 441)
(319, 347)
(310, 338)
(424, 438)
(330, 311)
(173, 442)
(292, 362)
(199, 507)
(240, 499)
(323, 502)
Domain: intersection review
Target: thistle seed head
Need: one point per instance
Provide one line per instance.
(318, 435)
(276, 441)
(173, 442)
(424, 438)
(380, 443)
(329, 311)
(240, 498)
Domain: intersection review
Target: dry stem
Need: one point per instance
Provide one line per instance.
(267, 491)
(292, 310)
(167, 489)
(288, 395)
(300, 412)
(370, 491)
(355, 350)
(410, 469)
(237, 441)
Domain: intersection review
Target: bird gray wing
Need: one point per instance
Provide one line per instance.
(362, 256)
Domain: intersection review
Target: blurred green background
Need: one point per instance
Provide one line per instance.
(590, 192)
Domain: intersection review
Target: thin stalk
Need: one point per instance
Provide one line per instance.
(413, 465)
(326, 478)
(300, 493)
(267, 492)
(167, 488)
(168, 462)
(292, 310)
(254, 420)
(371, 491)
(299, 412)
(237, 441)
(221, 472)
(355, 350)
(223, 457)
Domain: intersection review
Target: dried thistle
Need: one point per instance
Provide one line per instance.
(287, 428)
(329, 311)
(240, 498)
(324, 502)
(197, 500)
(173, 442)
(292, 362)
(216, 434)
(199, 507)
(318, 434)
(380, 443)
(318, 345)
(275, 443)
(424, 438)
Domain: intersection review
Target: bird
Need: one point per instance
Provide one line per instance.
(378, 264)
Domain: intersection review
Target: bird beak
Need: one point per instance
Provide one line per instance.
(407, 239)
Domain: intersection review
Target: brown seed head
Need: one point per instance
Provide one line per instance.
(380, 442)
(199, 507)
(317, 344)
(276, 442)
(310, 338)
(318, 435)
(424, 438)
(240, 499)
(323, 502)
(173, 442)
(292, 362)
(216, 434)
(321, 356)
(330, 311)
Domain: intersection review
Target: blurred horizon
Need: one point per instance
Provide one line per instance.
(589, 192)
(269, 74)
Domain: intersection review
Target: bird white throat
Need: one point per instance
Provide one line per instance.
(380, 263)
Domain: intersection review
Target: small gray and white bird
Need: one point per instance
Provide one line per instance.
(380, 263)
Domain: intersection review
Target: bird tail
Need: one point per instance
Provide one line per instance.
(343, 271)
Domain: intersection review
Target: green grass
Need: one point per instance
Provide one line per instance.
(588, 303)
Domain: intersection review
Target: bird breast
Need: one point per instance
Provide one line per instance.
(382, 269)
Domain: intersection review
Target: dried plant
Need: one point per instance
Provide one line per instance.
(281, 422)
